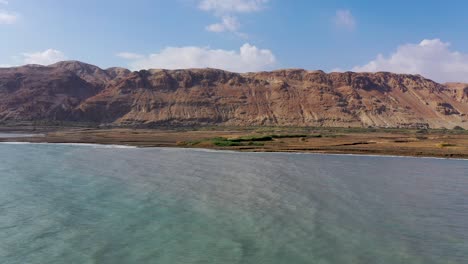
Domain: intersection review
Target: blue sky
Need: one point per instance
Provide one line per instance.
(426, 37)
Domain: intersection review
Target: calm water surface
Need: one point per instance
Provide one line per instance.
(88, 204)
(19, 135)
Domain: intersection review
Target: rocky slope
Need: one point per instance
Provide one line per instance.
(75, 91)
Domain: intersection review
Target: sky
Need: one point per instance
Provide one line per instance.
(418, 37)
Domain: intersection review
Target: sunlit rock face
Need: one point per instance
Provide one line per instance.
(75, 91)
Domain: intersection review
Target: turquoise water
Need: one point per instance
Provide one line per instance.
(89, 204)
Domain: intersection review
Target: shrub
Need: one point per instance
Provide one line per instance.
(226, 143)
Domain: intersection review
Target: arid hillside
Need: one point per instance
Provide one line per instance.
(75, 91)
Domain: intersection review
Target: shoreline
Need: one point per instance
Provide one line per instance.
(215, 150)
(70, 144)
(329, 141)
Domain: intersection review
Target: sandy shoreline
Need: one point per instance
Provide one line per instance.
(106, 146)
(431, 143)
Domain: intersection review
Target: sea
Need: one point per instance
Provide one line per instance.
(72, 203)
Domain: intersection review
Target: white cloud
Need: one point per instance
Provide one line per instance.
(225, 9)
(228, 23)
(7, 17)
(3, 2)
(431, 58)
(345, 19)
(232, 6)
(46, 57)
(129, 55)
(248, 58)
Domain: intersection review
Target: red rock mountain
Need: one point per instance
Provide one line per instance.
(75, 91)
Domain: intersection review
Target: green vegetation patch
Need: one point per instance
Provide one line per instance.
(224, 142)
(254, 140)
(241, 141)
(251, 138)
(270, 137)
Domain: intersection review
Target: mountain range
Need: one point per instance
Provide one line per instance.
(73, 91)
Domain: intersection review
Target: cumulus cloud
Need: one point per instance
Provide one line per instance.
(225, 9)
(7, 17)
(232, 6)
(248, 58)
(46, 57)
(228, 23)
(431, 58)
(129, 55)
(344, 19)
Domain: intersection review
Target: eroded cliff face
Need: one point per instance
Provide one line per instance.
(74, 91)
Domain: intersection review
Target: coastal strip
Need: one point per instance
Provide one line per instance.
(388, 142)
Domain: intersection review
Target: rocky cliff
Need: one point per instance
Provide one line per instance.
(75, 91)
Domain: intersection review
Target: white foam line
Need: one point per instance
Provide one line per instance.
(318, 153)
(380, 156)
(230, 151)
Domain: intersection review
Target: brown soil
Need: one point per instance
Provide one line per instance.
(427, 143)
